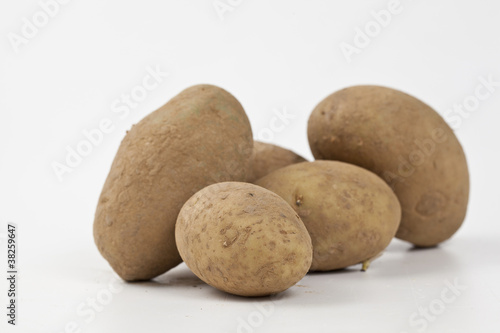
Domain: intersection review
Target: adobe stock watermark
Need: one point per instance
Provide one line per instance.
(486, 87)
(121, 108)
(31, 26)
(418, 156)
(255, 319)
(454, 116)
(87, 310)
(277, 124)
(420, 320)
(364, 35)
(222, 7)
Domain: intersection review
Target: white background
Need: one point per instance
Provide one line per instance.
(272, 55)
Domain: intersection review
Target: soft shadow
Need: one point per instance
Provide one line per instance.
(341, 271)
(398, 245)
(182, 277)
(416, 248)
(179, 276)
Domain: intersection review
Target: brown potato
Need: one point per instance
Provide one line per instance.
(350, 213)
(200, 137)
(267, 157)
(243, 239)
(406, 143)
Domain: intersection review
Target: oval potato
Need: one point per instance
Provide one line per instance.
(243, 239)
(350, 213)
(406, 143)
(200, 137)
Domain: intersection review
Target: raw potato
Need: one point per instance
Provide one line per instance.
(267, 157)
(406, 143)
(350, 213)
(243, 239)
(200, 137)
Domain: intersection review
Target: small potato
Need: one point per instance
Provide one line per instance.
(243, 239)
(350, 213)
(406, 143)
(267, 157)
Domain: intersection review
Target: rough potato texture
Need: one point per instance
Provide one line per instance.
(200, 137)
(350, 213)
(267, 157)
(243, 239)
(406, 143)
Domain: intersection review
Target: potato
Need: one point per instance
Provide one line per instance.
(267, 157)
(406, 143)
(200, 137)
(243, 239)
(350, 213)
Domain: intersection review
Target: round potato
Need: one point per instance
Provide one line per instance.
(267, 157)
(350, 213)
(243, 239)
(200, 137)
(406, 143)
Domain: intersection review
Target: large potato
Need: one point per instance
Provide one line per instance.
(243, 239)
(405, 142)
(350, 213)
(201, 136)
(267, 157)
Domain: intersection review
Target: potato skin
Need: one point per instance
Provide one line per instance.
(406, 143)
(200, 137)
(243, 239)
(267, 157)
(350, 213)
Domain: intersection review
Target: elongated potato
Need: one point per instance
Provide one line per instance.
(350, 213)
(243, 239)
(267, 157)
(200, 137)
(406, 143)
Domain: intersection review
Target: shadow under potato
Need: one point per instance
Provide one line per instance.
(340, 271)
(179, 276)
(416, 248)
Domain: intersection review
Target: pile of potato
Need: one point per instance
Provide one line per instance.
(188, 183)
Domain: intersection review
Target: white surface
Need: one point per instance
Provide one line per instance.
(280, 55)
